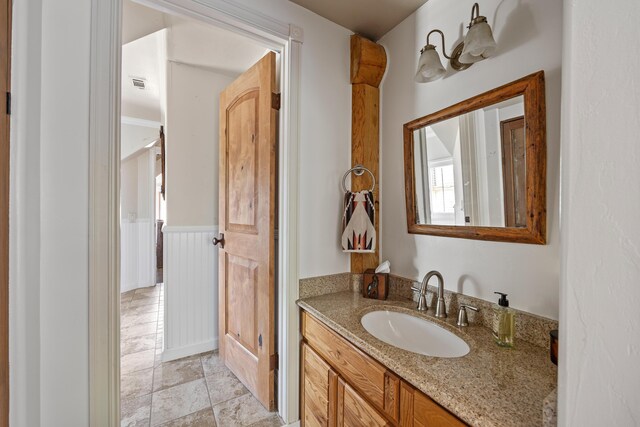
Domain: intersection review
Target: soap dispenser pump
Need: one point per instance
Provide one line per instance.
(503, 322)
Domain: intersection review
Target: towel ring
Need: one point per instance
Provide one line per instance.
(358, 170)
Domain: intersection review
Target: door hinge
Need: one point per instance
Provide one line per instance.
(274, 361)
(275, 101)
(8, 103)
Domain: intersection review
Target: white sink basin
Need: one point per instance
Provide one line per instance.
(413, 334)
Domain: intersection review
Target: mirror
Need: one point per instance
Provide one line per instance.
(478, 169)
(470, 169)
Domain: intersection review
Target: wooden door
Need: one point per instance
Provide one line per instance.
(318, 391)
(247, 220)
(354, 411)
(514, 172)
(5, 67)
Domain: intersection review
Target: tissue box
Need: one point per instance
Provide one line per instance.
(374, 285)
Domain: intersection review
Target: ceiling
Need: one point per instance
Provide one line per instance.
(195, 43)
(142, 58)
(364, 17)
(150, 39)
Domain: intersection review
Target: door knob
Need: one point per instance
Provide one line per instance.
(219, 240)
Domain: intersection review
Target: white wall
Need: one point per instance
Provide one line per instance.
(49, 331)
(528, 34)
(137, 221)
(193, 97)
(24, 245)
(599, 317)
(134, 138)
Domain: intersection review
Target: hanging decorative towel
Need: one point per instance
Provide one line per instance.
(359, 233)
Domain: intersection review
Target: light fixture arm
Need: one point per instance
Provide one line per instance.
(476, 9)
(475, 16)
(442, 35)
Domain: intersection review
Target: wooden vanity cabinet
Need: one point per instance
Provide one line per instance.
(342, 386)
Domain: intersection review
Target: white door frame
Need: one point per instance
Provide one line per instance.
(104, 191)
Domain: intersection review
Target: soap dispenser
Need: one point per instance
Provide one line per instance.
(504, 322)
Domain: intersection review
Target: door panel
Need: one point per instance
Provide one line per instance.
(242, 162)
(247, 218)
(319, 388)
(242, 323)
(514, 172)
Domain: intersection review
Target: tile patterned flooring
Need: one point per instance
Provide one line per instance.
(196, 391)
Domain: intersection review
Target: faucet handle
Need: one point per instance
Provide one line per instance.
(462, 314)
(422, 298)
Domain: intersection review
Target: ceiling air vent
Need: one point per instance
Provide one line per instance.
(139, 83)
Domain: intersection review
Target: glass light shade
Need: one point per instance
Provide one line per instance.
(429, 66)
(478, 43)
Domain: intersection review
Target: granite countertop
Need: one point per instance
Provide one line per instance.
(490, 386)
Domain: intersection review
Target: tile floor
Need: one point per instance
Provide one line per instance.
(194, 391)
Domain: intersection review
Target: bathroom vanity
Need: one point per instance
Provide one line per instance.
(349, 377)
(474, 170)
(353, 389)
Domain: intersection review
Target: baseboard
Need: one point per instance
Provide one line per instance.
(296, 424)
(189, 350)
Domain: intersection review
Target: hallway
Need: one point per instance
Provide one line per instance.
(194, 391)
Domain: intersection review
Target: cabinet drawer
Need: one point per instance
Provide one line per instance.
(362, 372)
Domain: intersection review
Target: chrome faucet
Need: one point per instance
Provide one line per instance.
(441, 308)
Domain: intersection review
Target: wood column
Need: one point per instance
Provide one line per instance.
(368, 64)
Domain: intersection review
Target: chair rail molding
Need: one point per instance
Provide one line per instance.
(104, 164)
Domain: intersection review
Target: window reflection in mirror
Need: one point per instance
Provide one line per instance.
(470, 169)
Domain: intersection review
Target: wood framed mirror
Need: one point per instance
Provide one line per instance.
(477, 169)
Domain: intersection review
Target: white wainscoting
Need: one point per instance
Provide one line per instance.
(190, 291)
(137, 254)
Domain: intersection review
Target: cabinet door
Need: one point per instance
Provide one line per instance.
(427, 413)
(318, 390)
(354, 411)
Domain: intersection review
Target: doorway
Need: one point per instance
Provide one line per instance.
(168, 330)
(104, 336)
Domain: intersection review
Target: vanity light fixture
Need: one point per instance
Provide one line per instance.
(478, 44)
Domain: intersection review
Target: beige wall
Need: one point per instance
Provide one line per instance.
(129, 188)
(192, 144)
(136, 189)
